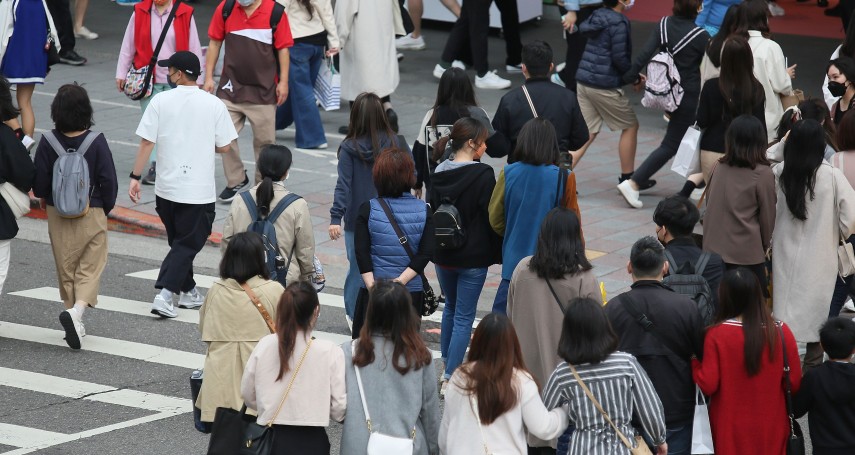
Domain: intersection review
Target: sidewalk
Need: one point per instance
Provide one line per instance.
(610, 226)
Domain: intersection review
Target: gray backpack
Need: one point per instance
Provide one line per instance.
(70, 186)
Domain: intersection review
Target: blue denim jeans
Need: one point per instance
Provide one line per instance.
(300, 108)
(353, 280)
(678, 437)
(500, 304)
(462, 288)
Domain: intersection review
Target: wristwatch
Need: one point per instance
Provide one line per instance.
(135, 176)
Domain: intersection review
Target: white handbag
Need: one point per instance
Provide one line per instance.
(702, 440)
(687, 161)
(327, 87)
(379, 443)
(17, 200)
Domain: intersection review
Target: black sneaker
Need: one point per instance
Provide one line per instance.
(393, 119)
(231, 192)
(71, 58)
(150, 177)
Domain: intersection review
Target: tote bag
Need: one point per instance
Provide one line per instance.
(702, 440)
(688, 158)
(18, 201)
(328, 87)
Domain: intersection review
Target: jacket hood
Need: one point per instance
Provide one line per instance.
(365, 151)
(600, 20)
(453, 182)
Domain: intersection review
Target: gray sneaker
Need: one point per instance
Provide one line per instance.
(162, 308)
(191, 300)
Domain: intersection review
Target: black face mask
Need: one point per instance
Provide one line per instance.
(836, 88)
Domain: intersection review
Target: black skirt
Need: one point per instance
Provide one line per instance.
(298, 440)
(362, 306)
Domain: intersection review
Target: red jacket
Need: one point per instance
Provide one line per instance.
(142, 31)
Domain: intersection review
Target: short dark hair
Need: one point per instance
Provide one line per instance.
(8, 111)
(754, 15)
(845, 65)
(245, 257)
(686, 8)
(71, 109)
(393, 173)
(537, 58)
(677, 214)
(560, 249)
(837, 336)
(647, 257)
(537, 143)
(586, 333)
(610, 3)
(745, 143)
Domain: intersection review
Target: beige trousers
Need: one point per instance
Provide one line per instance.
(708, 160)
(80, 251)
(262, 120)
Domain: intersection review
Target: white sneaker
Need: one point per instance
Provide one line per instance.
(85, 33)
(162, 308)
(513, 69)
(349, 322)
(73, 325)
(849, 306)
(443, 386)
(458, 64)
(28, 142)
(190, 300)
(438, 71)
(776, 9)
(556, 79)
(407, 42)
(491, 80)
(630, 194)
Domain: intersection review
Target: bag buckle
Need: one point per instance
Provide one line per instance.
(402, 239)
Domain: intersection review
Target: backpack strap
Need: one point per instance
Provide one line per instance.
(250, 205)
(54, 143)
(563, 175)
(228, 7)
(663, 32)
(687, 39)
(281, 206)
(276, 17)
(646, 323)
(702, 263)
(87, 142)
(60, 150)
(673, 266)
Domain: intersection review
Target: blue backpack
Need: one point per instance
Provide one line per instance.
(264, 226)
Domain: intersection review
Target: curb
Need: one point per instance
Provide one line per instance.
(122, 219)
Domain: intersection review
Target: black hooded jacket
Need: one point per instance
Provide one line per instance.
(828, 393)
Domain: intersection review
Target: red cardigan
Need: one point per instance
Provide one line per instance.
(748, 415)
(142, 31)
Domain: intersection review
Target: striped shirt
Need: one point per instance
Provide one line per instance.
(622, 388)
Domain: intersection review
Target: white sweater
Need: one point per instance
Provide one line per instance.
(459, 433)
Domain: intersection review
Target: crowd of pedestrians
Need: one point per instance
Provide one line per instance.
(736, 310)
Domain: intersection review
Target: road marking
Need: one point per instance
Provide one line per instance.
(96, 101)
(202, 281)
(18, 436)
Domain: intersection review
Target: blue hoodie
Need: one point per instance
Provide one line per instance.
(355, 185)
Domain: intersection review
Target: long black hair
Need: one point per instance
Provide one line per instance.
(273, 163)
(455, 92)
(560, 249)
(740, 89)
(803, 154)
(8, 111)
(728, 27)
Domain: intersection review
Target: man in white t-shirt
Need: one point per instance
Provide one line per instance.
(188, 125)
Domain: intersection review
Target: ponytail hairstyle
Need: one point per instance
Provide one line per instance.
(465, 129)
(273, 163)
(294, 314)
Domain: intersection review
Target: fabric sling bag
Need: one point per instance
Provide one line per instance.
(795, 438)
(138, 80)
(430, 301)
(640, 446)
(380, 443)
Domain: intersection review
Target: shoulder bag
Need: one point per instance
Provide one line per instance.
(845, 254)
(258, 305)
(640, 447)
(795, 438)
(380, 443)
(17, 200)
(430, 301)
(565, 160)
(138, 80)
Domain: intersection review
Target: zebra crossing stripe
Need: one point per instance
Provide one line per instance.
(18, 436)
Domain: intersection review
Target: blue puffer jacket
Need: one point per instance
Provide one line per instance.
(608, 54)
(387, 254)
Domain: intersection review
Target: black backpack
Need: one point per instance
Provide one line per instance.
(690, 282)
(448, 226)
(264, 226)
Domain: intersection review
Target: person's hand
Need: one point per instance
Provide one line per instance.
(332, 51)
(662, 449)
(569, 20)
(401, 280)
(417, 193)
(209, 85)
(134, 191)
(335, 231)
(639, 84)
(120, 84)
(792, 71)
(281, 92)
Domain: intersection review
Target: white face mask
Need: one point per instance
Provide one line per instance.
(628, 5)
(245, 3)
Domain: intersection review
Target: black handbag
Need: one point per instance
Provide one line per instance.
(431, 303)
(228, 431)
(795, 439)
(195, 386)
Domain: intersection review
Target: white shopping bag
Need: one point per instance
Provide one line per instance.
(328, 87)
(688, 158)
(702, 440)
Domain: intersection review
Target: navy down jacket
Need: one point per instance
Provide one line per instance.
(608, 53)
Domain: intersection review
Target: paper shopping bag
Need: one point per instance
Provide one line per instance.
(328, 87)
(702, 440)
(688, 158)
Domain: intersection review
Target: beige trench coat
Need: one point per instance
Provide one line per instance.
(804, 253)
(231, 326)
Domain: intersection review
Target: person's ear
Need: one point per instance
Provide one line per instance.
(629, 267)
(665, 267)
(551, 67)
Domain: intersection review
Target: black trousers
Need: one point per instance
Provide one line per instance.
(60, 10)
(511, 31)
(681, 120)
(187, 229)
(575, 48)
(470, 33)
(298, 440)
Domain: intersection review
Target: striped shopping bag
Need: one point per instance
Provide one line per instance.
(328, 87)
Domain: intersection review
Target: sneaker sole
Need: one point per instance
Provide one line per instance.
(493, 87)
(71, 62)
(189, 306)
(163, 315)
(626, 198)
(411, 47)
(70, 333)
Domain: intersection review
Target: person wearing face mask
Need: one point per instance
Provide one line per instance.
(841, 74)
(294, 234)
(141, 36)
(188, 125)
